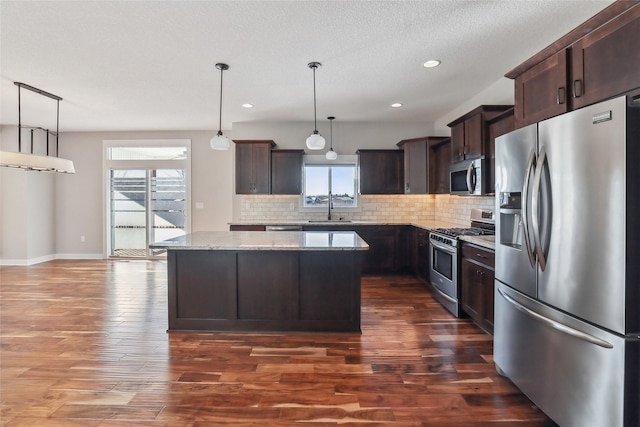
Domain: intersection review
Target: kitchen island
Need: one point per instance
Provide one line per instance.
(264, 281)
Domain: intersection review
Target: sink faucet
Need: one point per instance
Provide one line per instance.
(329, 205)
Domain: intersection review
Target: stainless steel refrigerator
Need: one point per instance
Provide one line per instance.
(567, 294)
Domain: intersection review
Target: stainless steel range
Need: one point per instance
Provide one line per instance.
(444, 253)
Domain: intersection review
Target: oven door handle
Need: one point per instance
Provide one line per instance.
(447, 249)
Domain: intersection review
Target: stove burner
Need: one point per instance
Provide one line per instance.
(472, 231)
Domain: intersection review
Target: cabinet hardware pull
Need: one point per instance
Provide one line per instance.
(577, 88)
(480, 255)
(560, 95)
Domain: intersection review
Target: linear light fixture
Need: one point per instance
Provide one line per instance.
(30, 161)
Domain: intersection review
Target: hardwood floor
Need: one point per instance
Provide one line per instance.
(84, 343)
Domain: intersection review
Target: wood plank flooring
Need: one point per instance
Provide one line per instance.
(84, 343)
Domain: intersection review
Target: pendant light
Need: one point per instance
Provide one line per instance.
(331, 155)
(220, 142)
(315, 141)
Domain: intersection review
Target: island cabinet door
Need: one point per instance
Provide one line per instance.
(267, 285)
(202, 286)
(327, 291)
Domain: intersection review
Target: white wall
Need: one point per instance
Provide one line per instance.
(347, 136)
(43, 215)
(27, 208)
(499, 93)
(81, 207)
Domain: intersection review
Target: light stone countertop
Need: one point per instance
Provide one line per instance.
(487, 242)
(266, 241)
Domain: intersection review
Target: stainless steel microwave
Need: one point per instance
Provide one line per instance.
(466, 178)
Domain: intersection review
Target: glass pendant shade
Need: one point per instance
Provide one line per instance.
(315, 141)
(220, 142)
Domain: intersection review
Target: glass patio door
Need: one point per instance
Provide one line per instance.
(147, 205)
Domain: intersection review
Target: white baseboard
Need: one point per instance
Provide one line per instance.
(80, 256)
(38, 260)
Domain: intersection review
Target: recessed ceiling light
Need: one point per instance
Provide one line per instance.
(396, 105)
(247, 105)
(431, 63)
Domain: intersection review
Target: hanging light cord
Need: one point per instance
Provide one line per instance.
(315, 121)
(331, 129)
(314, 66)
(220, 121)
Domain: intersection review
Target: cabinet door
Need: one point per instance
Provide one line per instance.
(488, 285)
(606, 62)
(244, 169)
(381, 171)
(381, 256)
(457, 142)
(262, 165)
(472, 292)
(415, 167)
(439, 160)
(286, 171)
(541, 92)
(253, 168)
(500, 125)
(423, 255)
(477, 276)
(473, 137)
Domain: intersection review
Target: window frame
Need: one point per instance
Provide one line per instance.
(320, 160)
(146, 164)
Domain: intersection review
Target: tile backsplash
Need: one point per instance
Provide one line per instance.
(379, 208)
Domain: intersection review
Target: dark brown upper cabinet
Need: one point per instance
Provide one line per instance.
(253, 166)
(606, 62)
(416, 163)
(381, 171)
(439, 159)
(541, 92)
(498, 126)
(286, 171)
(469, 135)
(597, 60)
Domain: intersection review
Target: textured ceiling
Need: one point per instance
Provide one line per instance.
(149, 65)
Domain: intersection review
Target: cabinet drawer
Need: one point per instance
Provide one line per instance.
(479, 255)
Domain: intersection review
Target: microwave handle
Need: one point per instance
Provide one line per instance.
(471, 178)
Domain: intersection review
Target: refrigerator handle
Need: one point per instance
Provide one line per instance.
(525, 208)
(535, 205)
(555, 324)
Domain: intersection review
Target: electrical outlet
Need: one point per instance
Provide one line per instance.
(82, 239)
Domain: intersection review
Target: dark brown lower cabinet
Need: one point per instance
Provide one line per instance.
(423, 260)
(477, 282)
(390, 246)
(314, 291)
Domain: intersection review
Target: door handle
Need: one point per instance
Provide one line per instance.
(555, 324)
(577, 88)
(471, 178)
(561, 95)
(525, 208)
(535, 220)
